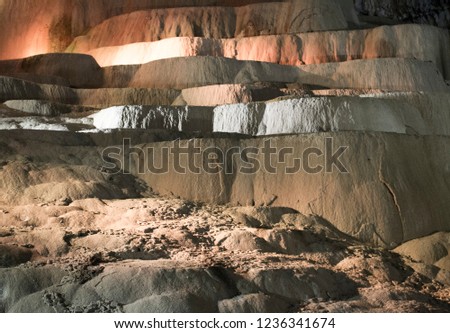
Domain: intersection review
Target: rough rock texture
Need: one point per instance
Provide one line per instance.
(402, 41)
(215, 22)
(53, 30)
(320, 114)
(436, 12)
(182, 119)
(34, 27)
(432, 106)
(396, 212)
(273, 156)
(88, 13)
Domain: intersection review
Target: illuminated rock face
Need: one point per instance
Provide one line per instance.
(50, 25)
(259, 150)
(34, 27)
(215, 22)
(403, 41)
(435, 12)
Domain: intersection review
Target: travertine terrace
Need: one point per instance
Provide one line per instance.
(224, 156)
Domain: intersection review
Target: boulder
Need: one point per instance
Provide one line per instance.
(259, 217)
(254, 303)
(242, 241)
(418, 11)
(154, 279)
(16, 283)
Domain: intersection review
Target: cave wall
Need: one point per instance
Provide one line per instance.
(434, 12)
(31, 27)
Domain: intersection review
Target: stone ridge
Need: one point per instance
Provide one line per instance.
(215, 22)
(401, 41)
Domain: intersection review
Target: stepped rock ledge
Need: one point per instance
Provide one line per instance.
(232, 156)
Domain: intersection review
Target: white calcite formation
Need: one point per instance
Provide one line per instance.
(332, 114)
(30, 123)
(182, 119)
(405, 114)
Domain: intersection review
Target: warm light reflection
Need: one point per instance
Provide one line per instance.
(33, 41)
(37, 41)
(263, 48)
(140, 53)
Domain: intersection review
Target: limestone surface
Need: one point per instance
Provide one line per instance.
(333, 114)
(372, 187)
(400, 41)
(269, 18)
(181, 119)
(70, 67)
(189, 72)
(230, 156)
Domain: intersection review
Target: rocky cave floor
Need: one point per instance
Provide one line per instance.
(159, 254)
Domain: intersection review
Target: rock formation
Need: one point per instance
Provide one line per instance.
(281, 156)
(435, 12)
